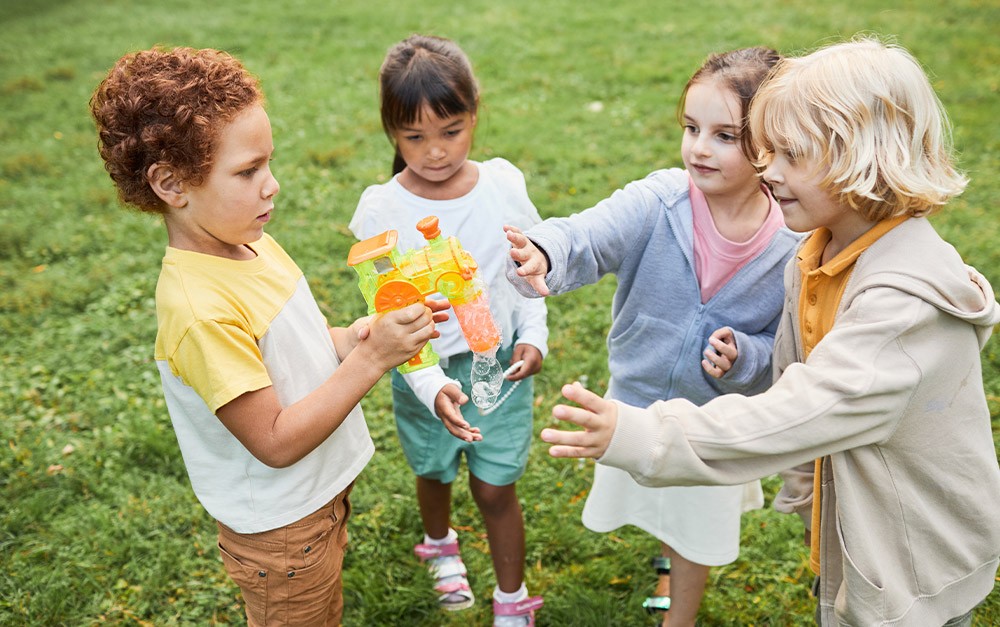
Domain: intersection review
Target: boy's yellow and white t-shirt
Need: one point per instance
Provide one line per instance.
(229, 327)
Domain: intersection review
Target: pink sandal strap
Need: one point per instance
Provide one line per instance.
(452, 587)
(430, 551)
(517, 608)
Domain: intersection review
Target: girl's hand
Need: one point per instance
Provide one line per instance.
(597, 416)
(721, 352)
(532, 358)
(447, 406)
(533, 265)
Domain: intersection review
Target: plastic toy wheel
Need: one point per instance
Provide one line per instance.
(396, 294)
(450, 284)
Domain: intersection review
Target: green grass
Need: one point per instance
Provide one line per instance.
(98, 523)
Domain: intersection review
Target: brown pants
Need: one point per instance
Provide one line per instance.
(291, 575)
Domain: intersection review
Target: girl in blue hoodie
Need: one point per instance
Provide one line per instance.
(698, 254)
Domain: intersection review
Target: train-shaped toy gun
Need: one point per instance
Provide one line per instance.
(390, 280)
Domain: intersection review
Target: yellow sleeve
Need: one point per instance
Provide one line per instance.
(220, 361)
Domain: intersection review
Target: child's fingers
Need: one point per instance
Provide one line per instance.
(457, 396)
(568, 443)
(711, 369)
(463, 431)
(538, 283)
(411, 326)
(579, 416)
(410, 314)
(449, 405)
(725, 346)
(596, 415)
(514, 235)
(717, 358)
(533, 272)
(437, 305)
(576, 393)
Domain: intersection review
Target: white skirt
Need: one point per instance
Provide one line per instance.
(701, 523)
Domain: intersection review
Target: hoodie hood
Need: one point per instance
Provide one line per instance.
(931, 269)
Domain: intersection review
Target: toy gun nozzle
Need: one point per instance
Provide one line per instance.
(429, 227)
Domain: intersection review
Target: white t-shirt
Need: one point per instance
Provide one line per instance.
(229, 327)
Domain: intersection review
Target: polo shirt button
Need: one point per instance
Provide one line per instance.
(812, 299)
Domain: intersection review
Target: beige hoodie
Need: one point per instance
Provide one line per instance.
(893, 394)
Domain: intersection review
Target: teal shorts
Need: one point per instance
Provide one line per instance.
(433, 453)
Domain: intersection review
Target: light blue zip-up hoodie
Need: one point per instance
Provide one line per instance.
(643, 234)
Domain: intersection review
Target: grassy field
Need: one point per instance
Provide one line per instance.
(98, 524)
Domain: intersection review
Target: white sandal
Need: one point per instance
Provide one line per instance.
(448, 570)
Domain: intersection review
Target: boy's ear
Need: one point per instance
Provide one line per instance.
(167, 185)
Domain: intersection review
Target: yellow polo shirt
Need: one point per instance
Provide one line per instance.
(822, 289)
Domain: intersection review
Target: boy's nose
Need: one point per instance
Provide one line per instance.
(272, 188)
(770, 174)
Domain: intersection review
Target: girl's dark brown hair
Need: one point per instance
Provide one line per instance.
(424, 70)
(742, 71)
(167, 106)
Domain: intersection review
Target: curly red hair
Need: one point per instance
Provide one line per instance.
(167, 106)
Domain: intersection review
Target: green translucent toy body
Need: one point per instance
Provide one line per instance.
(390, 280)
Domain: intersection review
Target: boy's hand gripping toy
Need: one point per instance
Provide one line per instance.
(391, 280)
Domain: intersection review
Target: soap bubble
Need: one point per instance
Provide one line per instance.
(487, 378)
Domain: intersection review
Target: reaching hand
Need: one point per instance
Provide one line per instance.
(448, 406)
(533, 264)
(721, 352)
(597, 416)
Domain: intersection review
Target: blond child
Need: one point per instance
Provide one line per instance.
(877, 356)
(263, 395)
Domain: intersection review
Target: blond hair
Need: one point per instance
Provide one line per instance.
(866, 115)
